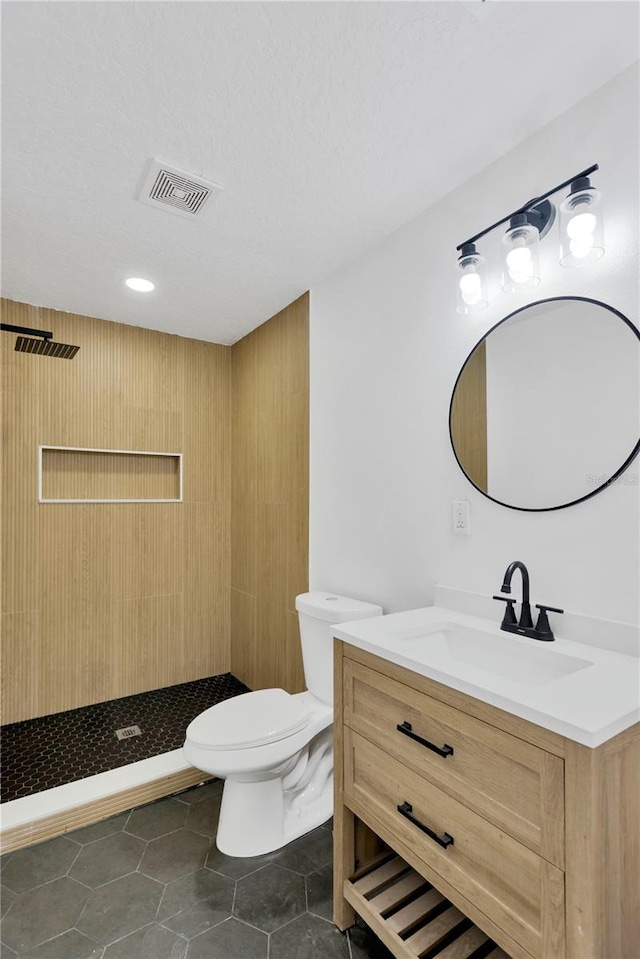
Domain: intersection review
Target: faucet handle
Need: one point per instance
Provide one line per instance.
(542, 626)
(509, 618)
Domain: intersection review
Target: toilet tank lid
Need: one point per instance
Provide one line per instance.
(334, 608)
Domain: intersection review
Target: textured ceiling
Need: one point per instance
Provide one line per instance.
(328, 124)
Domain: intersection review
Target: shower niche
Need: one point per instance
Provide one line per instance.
(72, 474)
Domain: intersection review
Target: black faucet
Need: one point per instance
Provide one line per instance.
(524, 627)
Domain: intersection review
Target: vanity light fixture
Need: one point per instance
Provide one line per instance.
(139, 284)
(581, 241)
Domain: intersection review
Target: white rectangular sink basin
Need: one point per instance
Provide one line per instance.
(531, 665)
(578, 690)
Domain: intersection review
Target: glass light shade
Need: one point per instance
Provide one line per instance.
(521, 264)
(581, 225)
(472, 287)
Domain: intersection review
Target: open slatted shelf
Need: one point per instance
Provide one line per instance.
(411, 917)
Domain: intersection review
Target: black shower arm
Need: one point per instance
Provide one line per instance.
(9, 328)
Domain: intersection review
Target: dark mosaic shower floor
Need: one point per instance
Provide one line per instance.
(50, 751)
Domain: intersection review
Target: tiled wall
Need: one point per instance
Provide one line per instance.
(105, 600)
(101, 601)
(270, 498)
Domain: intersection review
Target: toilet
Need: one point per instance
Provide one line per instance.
(274, 749)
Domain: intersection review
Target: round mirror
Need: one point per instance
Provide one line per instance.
(546, 409)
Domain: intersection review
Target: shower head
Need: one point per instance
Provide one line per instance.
(43, 346)
(63, 351)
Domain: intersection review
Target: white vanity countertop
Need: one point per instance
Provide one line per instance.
(595, 695)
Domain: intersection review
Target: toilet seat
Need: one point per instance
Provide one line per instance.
(248, 720)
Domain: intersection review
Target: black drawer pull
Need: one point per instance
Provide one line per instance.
(444, 840)
(406, 729)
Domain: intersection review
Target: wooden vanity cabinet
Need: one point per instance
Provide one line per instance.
(530, 836)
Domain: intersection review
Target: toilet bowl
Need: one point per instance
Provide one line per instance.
(274, 749)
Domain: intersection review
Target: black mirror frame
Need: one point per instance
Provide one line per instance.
(618, 472)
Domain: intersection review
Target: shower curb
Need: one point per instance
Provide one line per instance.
(48, 825)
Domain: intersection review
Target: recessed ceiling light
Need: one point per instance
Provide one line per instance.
(139, 285)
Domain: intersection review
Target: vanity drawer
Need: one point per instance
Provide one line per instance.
(517, 786)
(518, 890)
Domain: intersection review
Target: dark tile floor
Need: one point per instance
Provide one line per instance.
(61, 748)
(151, 884)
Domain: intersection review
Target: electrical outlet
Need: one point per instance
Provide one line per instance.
(461, 519)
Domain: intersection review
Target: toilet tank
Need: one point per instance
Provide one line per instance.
(317, 613)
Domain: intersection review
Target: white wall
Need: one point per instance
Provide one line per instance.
(386, 347)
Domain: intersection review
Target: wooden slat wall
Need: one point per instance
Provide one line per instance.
(105, 600)
(270, 498)
(102, 601)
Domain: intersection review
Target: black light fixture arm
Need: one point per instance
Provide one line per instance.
(25, 331)
(529, 205)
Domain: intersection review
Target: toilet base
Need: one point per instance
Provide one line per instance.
(260, 816)
(269, 830)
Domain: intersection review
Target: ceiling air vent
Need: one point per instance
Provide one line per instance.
(176, 191)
